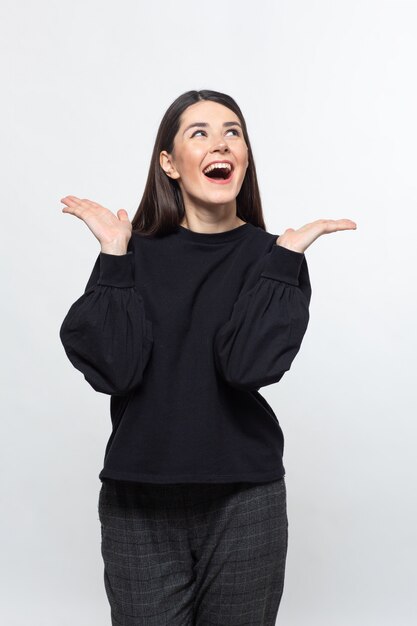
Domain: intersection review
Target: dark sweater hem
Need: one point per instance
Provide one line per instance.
(254, 477)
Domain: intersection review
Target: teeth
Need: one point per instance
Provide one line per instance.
(218, 166)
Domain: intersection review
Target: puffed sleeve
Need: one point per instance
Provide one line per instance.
(106, 334)
(259, 342)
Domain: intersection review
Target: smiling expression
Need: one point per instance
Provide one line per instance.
(209, 132)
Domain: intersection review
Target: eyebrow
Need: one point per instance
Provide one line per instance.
(205, 124)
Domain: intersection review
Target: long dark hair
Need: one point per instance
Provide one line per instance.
(161, 208)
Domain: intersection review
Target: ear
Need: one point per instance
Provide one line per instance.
(166, 162)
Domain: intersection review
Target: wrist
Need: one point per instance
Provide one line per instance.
(290, 249)
(118, 249)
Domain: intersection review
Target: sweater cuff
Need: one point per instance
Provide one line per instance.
(116, 270)
(283, 264)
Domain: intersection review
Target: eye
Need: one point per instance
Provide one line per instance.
(231, 130)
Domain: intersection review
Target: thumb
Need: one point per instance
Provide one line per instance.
(122, 215)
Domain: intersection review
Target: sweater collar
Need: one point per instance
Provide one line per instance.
(226, 235)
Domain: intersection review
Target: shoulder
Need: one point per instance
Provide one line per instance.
(262, 238)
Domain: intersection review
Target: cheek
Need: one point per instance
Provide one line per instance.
(242, 154)
(244, 160)
(192, 163)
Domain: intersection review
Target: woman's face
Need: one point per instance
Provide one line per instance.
(215, 135)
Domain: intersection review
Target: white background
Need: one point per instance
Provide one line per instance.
(328, 89)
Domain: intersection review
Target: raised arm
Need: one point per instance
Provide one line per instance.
(106, 334)
(257, 345)
(259, 342)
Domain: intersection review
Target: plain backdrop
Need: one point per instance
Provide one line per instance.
(328, 90)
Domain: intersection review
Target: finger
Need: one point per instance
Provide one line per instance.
(90, 202)
(342, 224)
(80, 207)
(76, 210)
(73, 201)
(329, 226)
(70, 199)
(122, 215)
(76, 206)
(348, 224)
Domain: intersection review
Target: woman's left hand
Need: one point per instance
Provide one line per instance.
(299, 240)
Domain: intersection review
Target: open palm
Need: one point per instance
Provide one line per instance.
(299, 240)
(108, 228)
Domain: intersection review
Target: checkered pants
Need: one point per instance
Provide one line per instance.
(193, 554)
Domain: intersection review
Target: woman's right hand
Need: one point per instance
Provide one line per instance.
(113, 232)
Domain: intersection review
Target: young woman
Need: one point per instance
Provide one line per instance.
(190, 309)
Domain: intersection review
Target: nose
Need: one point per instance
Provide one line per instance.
(220, 146)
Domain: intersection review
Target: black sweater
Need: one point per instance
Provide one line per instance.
(181, 332)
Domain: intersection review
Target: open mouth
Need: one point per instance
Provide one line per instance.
(219, 172)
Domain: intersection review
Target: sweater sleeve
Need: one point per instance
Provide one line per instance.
(257, 345)
(106, 334)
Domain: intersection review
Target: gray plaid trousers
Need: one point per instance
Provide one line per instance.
(193, 554)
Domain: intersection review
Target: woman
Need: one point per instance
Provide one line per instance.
(189, 310)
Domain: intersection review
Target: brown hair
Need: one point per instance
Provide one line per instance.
(161, 208)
